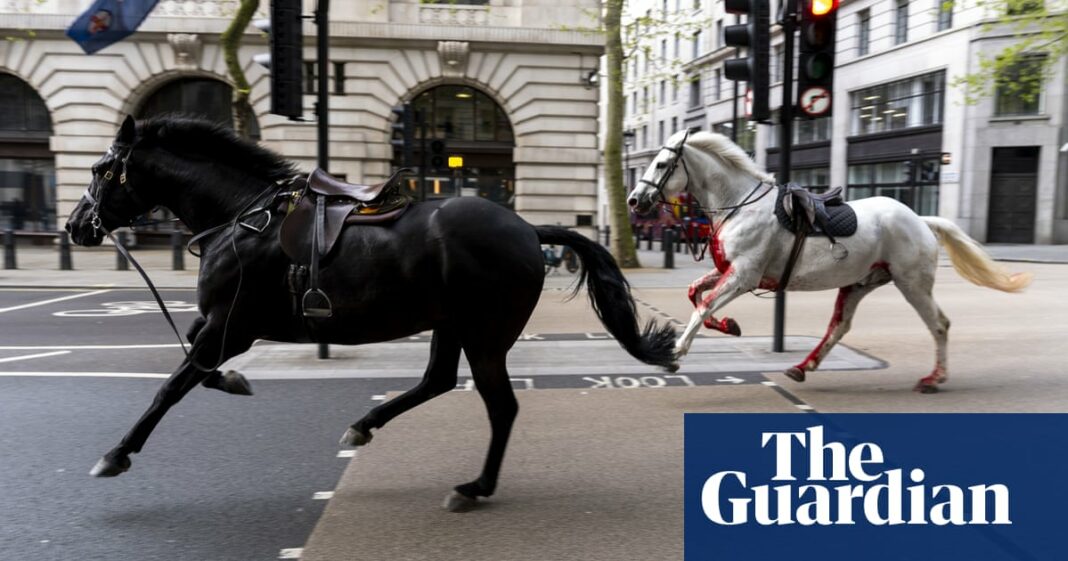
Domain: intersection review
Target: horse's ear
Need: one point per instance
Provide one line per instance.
(128, 131)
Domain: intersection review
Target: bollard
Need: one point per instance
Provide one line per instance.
(121, 264)
(637, 238)
(9, 250)
(324, 351)
(649, 241)
(678, 240)
(65, 263)
(667, 240)
(177, 251)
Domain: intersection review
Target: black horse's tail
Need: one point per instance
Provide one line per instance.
(611, 299)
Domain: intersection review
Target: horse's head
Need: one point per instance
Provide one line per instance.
(110, 201)
(660, 179)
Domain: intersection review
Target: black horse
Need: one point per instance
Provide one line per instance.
(465, 268)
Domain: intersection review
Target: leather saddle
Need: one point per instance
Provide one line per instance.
(317, 217)
(824, 214)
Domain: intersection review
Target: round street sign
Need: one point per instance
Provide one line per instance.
(815, 101)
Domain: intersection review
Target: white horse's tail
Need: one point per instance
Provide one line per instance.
(971, 261)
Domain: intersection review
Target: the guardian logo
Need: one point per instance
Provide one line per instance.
(843, 485)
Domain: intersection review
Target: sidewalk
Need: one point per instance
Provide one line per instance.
(93, 267)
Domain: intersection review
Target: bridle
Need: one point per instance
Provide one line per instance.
(669, 169)
(122, 152)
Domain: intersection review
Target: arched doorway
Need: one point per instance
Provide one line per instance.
(461, 121)
(206, 98)
(27, 165)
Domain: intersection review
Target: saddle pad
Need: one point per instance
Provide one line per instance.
(841, 220)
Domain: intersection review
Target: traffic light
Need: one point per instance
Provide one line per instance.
(286, 58)
(439, 154)
(755, 36)
(404, 133)
(815, 72)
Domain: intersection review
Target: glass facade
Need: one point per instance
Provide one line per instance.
(204, 98)
(746, 134)
(918, 190)
(805, 131)
(912, 102)
(27, 169)
(462, 113)
(1009, 99)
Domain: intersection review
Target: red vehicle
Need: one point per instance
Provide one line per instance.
(680, 214)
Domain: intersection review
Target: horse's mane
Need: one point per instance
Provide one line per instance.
(191, 135)
(719, 145)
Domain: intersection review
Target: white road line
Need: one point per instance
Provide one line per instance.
(38, 355)
(291, 553)
(83, 375)
(346, 453)
(378, 398)
(769, 383)
(52, 301)
(323, 495)
(803, 407)
(87, 347)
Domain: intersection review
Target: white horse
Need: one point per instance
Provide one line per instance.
(750, 248)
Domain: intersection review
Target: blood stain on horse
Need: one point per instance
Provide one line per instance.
(719, 256)
(813, 357)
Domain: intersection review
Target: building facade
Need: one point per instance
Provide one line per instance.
(900, 128)
(503, 83)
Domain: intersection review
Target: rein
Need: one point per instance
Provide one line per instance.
(238, 220)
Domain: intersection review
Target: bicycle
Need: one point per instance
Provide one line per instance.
(566, 257)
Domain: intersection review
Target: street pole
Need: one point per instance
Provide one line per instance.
(322, 108)
(786, 118)
(734, 94)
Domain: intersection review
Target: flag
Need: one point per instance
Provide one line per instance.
(107, 22)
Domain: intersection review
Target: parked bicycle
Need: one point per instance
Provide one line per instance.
(565, 257)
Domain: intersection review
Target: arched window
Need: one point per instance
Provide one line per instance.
(206, 98)
(27, 166)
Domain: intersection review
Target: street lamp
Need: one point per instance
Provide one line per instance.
(628, 138)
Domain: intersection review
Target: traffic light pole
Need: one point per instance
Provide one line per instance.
(786, 129)
(322, 107)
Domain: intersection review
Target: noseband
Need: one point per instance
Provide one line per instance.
(122, 155)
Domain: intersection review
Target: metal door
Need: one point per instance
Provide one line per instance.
(1013, 195)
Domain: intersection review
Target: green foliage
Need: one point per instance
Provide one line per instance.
(1020, 70)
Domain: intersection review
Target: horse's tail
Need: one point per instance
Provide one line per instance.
(971, 261)
(611, 299)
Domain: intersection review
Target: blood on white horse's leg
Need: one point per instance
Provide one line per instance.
(841, 321)
(697, 289)
(919, 295)
(730, 286)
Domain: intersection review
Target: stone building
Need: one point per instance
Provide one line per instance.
(503, 83)
(998, 167)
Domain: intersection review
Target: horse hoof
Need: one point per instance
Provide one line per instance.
(925, 387)
(733, 329)
(458, 502)
(233, 382)
(796, 374)
(353, 437)
(110, 467)
(671, 368)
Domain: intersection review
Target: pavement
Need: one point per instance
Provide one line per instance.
(594, 470)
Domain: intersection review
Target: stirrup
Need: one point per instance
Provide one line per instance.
(316, 304)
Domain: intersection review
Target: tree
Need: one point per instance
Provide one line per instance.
(1020, 69)
(618, 49)
(231, 43)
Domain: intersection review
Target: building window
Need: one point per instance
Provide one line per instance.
(695, 92)
(664, 9)
(311, 78)
(648, 56)
(678, 45)
(674, 89)
(913, 102)
(775, 64)
(1024, 7)
(634, 101)
(674, 125)
(1019, 87)
(663, 92)
(716, 84)
(696, 4)
(746, 139)
(945, 14)
(901, 22)
(660, 133)
(864, 32)
(339, 78)
(805, 131)
(814, 179)
(696, 44)
(645, 136)
(663, 52)
(719, 34)
(919, 191)
(645, 99)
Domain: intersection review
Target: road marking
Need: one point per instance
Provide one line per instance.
(291, 553)
(346, 453)
(83, 375)
(28, 357)
(52, 301)
(378, 398)
(323, 496)
(804, 406)
(769, 383)
(87, 347)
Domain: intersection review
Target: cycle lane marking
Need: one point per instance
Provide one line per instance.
(52, 300)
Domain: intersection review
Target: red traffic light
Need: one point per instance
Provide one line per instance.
(822, 7)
